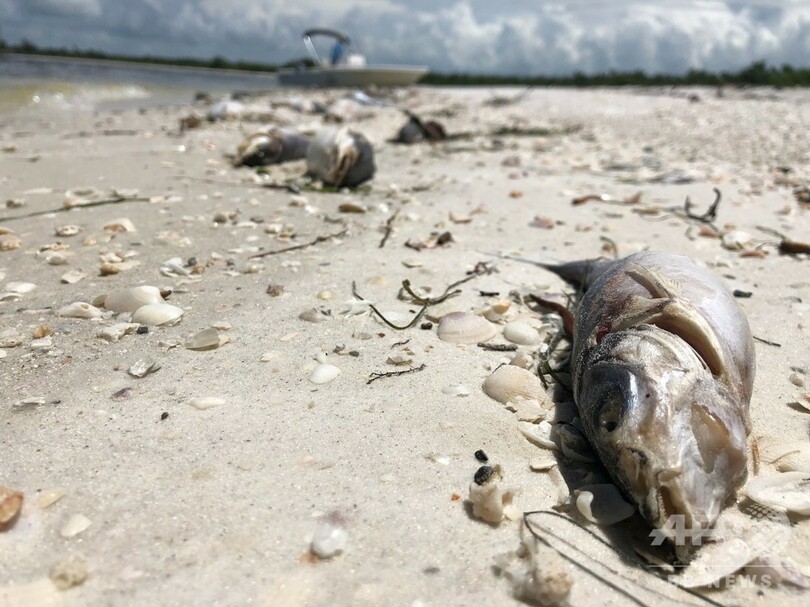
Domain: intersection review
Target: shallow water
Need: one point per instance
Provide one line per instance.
(87, 84)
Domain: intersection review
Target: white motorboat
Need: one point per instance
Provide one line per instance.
(346, 69)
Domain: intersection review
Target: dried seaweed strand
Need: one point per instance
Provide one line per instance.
(96, 203)
(375, 376)
(710, 215)
(318, 240)
(765, 341)
(389, 228)
(497, 347)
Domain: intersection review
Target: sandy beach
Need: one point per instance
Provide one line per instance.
(204, 481)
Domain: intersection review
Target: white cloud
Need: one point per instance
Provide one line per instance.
(521, 36)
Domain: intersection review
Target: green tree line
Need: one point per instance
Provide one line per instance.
(758, 73)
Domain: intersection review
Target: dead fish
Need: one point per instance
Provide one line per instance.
(662, 373)
(340, 157)
(416, 130)
(273, 146)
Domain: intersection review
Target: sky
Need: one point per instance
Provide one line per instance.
(522, 37)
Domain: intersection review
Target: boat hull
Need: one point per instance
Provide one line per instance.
(340, 76)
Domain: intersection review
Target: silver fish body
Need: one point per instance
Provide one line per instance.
(340, 157)
(273, 146)
(662, 371)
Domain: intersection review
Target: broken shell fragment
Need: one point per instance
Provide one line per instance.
(75, 525)
(119, 225)
(785, 491)
(538, 434)
(79, 309)
(465, 328)
(117, 331)
(157, 314)
(9, 242)
(67, 230)
(72, 277)
(603, 504)
(206, 402)
(207, 339)
(510, 381)
(10, 504)
(329, 540)
(324, 373)
(487, 497)
(130, 300)
(142, 368)
(69, 572)
(49, 497)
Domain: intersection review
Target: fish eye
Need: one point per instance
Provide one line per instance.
(610, 412)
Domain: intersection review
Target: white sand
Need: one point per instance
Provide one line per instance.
(217, 506)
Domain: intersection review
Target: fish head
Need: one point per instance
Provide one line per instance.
(669, 433)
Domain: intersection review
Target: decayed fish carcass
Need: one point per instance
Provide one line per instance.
(662, 372)
(273, 146)
(340, 157)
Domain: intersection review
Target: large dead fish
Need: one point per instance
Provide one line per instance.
(340, 157)
(662, 371)
(273, 146)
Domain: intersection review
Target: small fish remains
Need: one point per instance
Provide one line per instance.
(662, 373)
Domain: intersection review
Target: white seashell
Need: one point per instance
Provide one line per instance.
(75, 525)
(329, 540)
(538, 434)
(157, 314)
(49, 497)
(69, 572)
(325, 295)
(314, 315)
(465, 328)
(509, 382)
(524, 360)
(522, 333)
(117, 331)
(20, 287)
(9, 242)
(79, 309)
(206, 402)
(174, 267)
(603, 504)
(542, 464)
(120, 225)
(489, 499)
(736, 240)
(456, 390)
(57, 259)
(67, 230)
(129, 300)
(207, 339)
(72, 277)
(786, 491)
(271, 355)
(526, 409)
(786, 456)
(141, 368)
(324, 373)
(41, 344)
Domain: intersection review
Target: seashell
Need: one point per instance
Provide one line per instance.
(340, 158)
(524, 360)
(542, 464)
(49, 497)
(786, 491)
(68, 230)
(498, 311)
(273, 146)
(73, 277)
(714, 562)
(42, 331)
(75, 525)
(509, 382)
(69, 572)
(9, 242)
(603, 504)
(20, 287)
(79, 309)
(117, 331)
(118, 226)
(206, 402)
(57, 258)
(329, 540)
(43, 343)
(207, 339)
(10, 504)
(142, 368)
(324, 373)
(465, 328)
(314, 315)
(786, 456)
(779, 570)
(522, 333)
(486, 495)
(538, 434)
(736, 240)
(157, 314)
(456, 390)
(526, 409)
(129, 300)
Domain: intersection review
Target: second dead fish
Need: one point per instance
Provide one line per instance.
(273, 146)
(340, 158)
(662, 372)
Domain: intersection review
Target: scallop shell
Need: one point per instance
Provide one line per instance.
(787, 491)
(324, 373)
(465, 328)
(509, 382)
(603, 504)
(79, 309)
(157, 314)
(786, 456)
(129, 300)
(522, 333)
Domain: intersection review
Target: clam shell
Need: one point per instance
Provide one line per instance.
(522, 333)
(129, 300)
(787, 491)
(79, 309)
(465, 328)
(786, 456)
(603, 504)
(324, 373)
(510, 381)
(157, 314)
